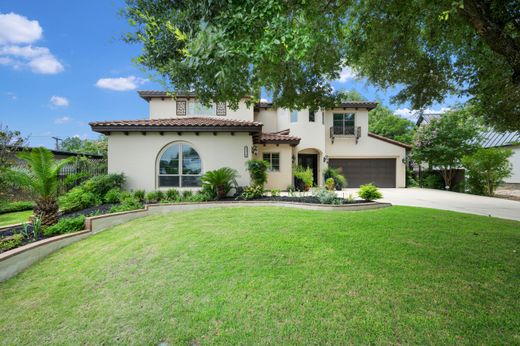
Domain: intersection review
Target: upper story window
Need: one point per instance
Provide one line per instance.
(344, 124)
(273, 159)
(312, 116)
(294, 116)
(179, 166)
(197, 108)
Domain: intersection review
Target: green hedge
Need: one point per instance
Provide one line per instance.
(16, 206)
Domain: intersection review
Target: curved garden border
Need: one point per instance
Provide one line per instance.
(16, 260)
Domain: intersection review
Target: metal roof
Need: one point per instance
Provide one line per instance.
(492, 138)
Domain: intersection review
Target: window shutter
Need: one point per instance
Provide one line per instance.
(221, 109)
(180, 108)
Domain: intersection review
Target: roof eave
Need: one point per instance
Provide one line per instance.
(134, 128)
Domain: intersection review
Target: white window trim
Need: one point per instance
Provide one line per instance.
(270, 153)
(355, 123)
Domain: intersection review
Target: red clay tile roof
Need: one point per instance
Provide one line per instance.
(280, 137)
(391, 141)
(177, 124)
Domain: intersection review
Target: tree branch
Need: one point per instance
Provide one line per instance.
(478, 14)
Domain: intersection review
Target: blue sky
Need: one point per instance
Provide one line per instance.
(63, 64)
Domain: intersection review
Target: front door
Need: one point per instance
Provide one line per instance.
(311, 161)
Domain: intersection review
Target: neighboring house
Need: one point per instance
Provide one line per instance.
(182, 139)
(508, 140)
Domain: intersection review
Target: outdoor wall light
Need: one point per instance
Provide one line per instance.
(246, 151)
(326, 159)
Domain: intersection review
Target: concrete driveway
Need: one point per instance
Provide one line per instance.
(446, 200)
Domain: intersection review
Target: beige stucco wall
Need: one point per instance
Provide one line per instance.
(136, 155)
(283, 178)
(165, 108)
(268, 117)
(515, 161)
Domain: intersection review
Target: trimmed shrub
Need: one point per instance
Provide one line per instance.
(66, 225)
(258, 171)
(172, 195)
(330, 184)
(252, 192)
(11, 242)
(101, 184)
(304, 178)
(325, 196)
(369, 192)
(335, 174)
(152, 197)
(16, 206)
(186, 194)
(201, 196)
(113, 196)
(78, 199)
(127, 203)
(275, 192)
(139, 194)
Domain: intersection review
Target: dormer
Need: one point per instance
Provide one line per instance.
(163, 106)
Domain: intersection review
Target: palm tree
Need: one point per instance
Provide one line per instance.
(42, 180)
(220, 181)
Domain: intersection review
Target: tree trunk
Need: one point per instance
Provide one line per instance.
(47, 211)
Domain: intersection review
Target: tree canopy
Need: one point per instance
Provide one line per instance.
(383, 122)
(85, 146)
(444, 141)
(224, 50)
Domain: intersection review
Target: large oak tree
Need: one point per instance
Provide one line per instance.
(226, 49)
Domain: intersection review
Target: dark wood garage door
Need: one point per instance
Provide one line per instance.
(381, 172)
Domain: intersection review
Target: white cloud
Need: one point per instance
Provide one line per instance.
(59, 101)
(11, 95)
(346, 74)
(18, 29)
(62, 120)
(46, 65)
(121, 83)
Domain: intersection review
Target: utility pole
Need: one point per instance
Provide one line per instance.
(57, 139)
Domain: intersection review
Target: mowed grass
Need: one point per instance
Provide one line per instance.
(276, 276)
(16, 217)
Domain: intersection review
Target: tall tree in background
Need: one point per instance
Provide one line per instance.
(383, 122)
(10, 143)
(224, 50)
(444, 141)
(85, 146)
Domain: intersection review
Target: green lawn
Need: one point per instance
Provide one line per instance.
(276, 276)
(16, 217)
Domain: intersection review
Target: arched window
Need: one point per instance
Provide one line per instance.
(179, 166)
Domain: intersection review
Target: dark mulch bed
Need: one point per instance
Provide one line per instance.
(99, 210)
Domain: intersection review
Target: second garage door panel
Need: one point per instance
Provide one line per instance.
(381, 172)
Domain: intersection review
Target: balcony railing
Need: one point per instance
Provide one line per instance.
(339, 131)
(343, 130)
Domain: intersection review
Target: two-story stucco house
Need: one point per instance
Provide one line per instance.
(182, 139)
